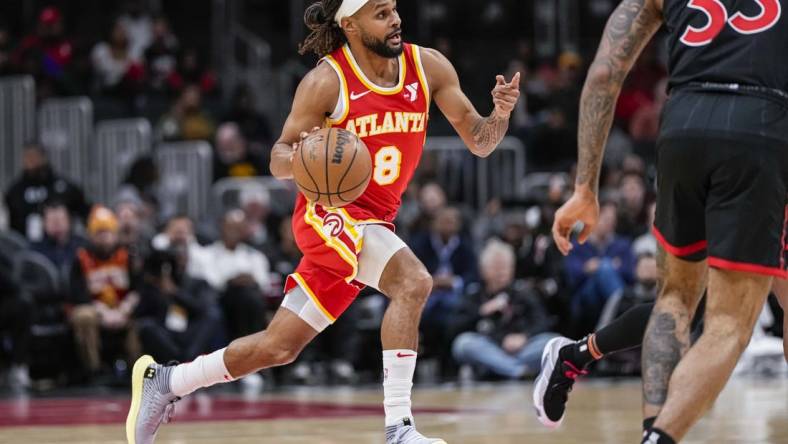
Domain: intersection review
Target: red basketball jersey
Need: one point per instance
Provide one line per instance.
(392, 122)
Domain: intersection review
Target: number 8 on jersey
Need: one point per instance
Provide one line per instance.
(388, 162)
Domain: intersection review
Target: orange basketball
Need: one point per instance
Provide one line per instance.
(333, 167)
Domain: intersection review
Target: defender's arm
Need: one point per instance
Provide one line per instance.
(628, 31)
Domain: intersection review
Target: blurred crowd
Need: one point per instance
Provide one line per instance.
(103, 282)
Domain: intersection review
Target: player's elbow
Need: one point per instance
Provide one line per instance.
(603, 73)
(479, 150)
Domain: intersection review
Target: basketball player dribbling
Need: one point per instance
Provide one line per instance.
(722, 191)
(372, 83)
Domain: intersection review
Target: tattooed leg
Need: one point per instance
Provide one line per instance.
(732, 306)
(667, 336)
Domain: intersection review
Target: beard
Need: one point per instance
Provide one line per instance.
(381, 47)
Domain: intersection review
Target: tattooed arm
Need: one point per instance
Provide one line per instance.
(481, 134)
(628, 31)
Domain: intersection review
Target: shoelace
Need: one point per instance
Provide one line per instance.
(169, 411)
(567, 382)
(573, 371)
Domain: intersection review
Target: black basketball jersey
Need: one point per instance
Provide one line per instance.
(728, 41)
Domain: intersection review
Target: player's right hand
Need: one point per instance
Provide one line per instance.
(583, 207)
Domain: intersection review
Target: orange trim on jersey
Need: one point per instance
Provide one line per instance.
(311, 218)
(403, 67)
(302, 283)
(421, 74)
(343, 91)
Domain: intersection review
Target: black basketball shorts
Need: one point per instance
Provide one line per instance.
(724, 197)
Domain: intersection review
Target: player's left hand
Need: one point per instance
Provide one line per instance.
(302, 136)
(505, 95)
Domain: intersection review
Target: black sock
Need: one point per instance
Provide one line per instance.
(579, 353)
(626, 331)
(649, 422)
(657, 436)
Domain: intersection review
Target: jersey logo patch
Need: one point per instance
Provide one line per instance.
(333, 224)
(412, 92)
(354, 96)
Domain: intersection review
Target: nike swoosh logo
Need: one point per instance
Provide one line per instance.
(354, 96)
(400, 355)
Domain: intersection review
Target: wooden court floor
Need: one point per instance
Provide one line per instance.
(749, 411)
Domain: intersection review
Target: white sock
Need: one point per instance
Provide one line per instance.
(398, 369)
(204, 371)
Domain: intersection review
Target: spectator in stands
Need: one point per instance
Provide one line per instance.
(37, 184)
(134, 232)
(139, 27)
(285, 255)
(598, 269)
(263, 228)
(176, 317)
(644, 126)
(552, 142)
(141, 186)
(59, 244)
(647, 243)
(16, 320)
(179, 233)
(432, 199)
(6, 47)
(187, 120)
(191, 70)
(161, 57)
(633, 211)
(48, 44)
(645, 287)
(450, 259)
(536, 258)
(232, 157)
(101, 292)
(117, 69)
(253, 124)
(241, 274)
(503, 326)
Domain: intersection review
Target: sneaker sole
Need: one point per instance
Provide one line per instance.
(549, 358)
(137, 381)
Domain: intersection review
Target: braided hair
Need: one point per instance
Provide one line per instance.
(326, 35)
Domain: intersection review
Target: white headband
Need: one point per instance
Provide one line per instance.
(348, 8)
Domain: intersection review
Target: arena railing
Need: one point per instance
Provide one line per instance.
(470, 179)
(65, 128)
(227, 193)
(186, 173)
(17, 123)
(118, 143)
(240, 55)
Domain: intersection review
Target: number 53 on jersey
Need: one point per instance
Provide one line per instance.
(717, 16)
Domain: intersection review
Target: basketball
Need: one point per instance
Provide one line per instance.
(333, 167)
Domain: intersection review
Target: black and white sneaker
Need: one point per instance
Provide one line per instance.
(555, 381)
